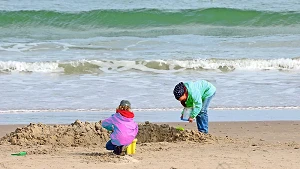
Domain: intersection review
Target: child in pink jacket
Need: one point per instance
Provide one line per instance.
(123, 126)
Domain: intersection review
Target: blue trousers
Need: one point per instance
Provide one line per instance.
(202, 117)
(110, 146)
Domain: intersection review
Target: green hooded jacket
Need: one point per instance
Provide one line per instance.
(197, 92)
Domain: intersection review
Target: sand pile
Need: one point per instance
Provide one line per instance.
(77, 134)
(88, 134)
(149, 132)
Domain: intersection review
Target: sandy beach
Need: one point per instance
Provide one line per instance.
(62, 60)
(230, 145)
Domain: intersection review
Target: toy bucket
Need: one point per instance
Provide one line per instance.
(131, 147)
(186, 114)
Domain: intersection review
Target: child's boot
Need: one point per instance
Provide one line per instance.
(120, 150)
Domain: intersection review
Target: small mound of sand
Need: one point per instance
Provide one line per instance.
(88, 134)
(149, 132)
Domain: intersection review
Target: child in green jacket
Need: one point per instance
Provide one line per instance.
(196, 95)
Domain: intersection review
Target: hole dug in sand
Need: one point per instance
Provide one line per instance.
(106, 157)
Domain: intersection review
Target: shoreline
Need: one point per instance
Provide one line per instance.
(152, 116)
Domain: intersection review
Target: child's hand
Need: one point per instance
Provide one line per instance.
(191, 120)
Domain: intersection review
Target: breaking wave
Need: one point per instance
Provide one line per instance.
(155, 66)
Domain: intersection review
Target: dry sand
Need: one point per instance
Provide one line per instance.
(81, 145)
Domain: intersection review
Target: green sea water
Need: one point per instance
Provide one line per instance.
(75, 54)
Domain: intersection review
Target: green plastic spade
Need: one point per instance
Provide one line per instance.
(180, 128)
(21, 153)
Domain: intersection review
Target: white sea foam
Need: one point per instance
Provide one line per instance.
(157, 66)
(22, 111)
(14, 66)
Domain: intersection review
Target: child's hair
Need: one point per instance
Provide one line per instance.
(123, 108)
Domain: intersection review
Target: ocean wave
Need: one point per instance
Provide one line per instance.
(136, 18)
(155, 66)
(147, 22)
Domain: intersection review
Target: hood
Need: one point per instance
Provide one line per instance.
(126, 113)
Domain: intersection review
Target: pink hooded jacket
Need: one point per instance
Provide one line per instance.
(123, 126)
